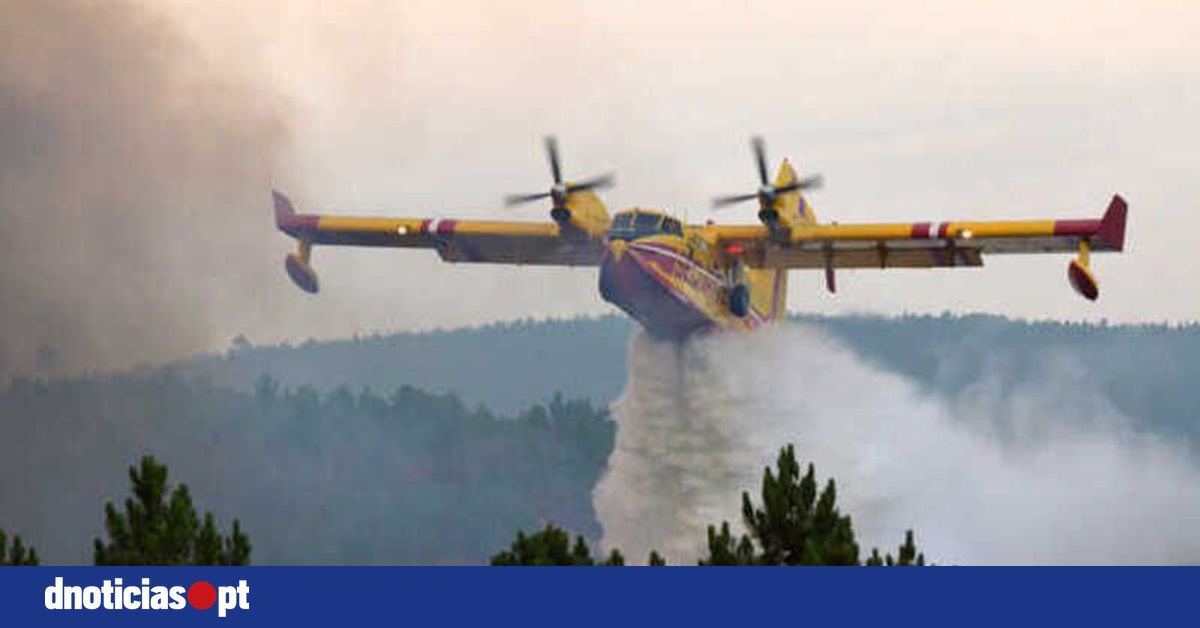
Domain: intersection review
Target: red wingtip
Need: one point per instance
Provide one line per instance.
(283, 208)
(1112, 225)
(286, 218)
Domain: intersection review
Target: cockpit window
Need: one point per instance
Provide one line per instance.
(634, 225)
(647, 222)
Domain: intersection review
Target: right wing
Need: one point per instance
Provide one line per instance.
(927, 244)
(921, 244)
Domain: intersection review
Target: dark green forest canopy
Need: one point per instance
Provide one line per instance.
(506, 366)
(319, 472)
(339, 478)
(1147, 372)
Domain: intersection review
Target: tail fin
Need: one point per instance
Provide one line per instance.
(793, 208)
(1111, 232)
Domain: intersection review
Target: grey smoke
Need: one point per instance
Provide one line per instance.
(133, 178)
(1045, 473)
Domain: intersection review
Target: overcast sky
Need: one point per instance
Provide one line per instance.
(911, 110)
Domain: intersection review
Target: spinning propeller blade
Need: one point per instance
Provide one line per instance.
(766, 193)
(559, 191)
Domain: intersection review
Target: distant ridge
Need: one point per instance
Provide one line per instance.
(1148, 371)
(505, 366)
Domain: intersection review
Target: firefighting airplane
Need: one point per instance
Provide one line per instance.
(677, 279)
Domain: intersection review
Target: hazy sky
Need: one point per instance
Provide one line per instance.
(918, 110)
(911, 110)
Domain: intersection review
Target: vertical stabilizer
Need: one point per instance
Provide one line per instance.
(793, 208)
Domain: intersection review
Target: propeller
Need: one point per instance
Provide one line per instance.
(766, 193)
(560, 191)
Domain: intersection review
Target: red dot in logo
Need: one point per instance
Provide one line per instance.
(202, 595)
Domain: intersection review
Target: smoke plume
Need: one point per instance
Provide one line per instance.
(133, 179)
(1044, 474)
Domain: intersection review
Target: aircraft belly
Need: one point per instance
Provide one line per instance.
(671, 296)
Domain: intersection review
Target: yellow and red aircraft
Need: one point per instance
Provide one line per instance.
(677, 279)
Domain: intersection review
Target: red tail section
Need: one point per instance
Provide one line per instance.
(286, 218)
(1112, 226)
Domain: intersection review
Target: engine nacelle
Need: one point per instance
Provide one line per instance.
(769, 217)
(301, 273)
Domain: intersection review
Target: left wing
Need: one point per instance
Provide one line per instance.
(486, 241)
(921, 244)
(925, 244)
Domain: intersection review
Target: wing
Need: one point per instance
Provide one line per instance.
(497, 242)
(919, 245)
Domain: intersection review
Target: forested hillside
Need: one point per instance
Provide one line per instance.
(335, 453)
(506, 366)
(1148, 372)
(339, 478)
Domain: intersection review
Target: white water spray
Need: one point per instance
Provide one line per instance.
(1065, 480)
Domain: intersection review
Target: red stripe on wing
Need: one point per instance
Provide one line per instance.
(1081, 228)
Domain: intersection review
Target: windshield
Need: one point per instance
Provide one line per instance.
(634, 225)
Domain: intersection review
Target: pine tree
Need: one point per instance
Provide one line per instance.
(615, 559)
(161, 527)
(725, 551)
(552, 547)
(908, 555)
(796, 525)
(17, 554)
(549, 547)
